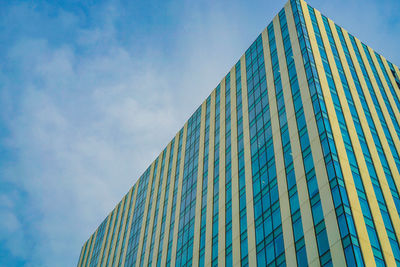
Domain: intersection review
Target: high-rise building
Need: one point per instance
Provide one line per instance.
(292, 159)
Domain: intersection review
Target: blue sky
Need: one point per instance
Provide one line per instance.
(91, 92)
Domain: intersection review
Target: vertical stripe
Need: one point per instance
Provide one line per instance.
(172, 196)
(97, 245)
(128, 227)
(110, 236)
(392, 98)
(385, 71)
(299, 138)
(150, 207)
(375, 112)
(104, 248)
(155, 209)
(178, 203)
(290, 253)
(90, 249)
(353, 147)
(367, 142)
(228, 173)
(321, 136)
(235, 178)
(216, 176)
(248, 172)
(391, 127)
(344, 163)
(121, 228)
(132, 260)
(204, 175)
(196, 238)
(87, 244)
(144, 185)
(368, 139)
(184, 248)
(222, 179)
(115, 232)
(210, 185)
(397, 71)
(154, 242)
(159, 243)
(81, 254)
(120, 260)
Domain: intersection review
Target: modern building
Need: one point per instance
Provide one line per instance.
(292, 160)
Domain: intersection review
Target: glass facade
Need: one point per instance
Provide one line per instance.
(293, 159)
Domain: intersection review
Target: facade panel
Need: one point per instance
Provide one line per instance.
(293, 159)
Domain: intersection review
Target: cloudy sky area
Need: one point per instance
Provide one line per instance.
(90, 93)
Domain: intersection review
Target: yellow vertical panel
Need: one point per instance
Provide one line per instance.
(222, 179)
(251, 236)
(120, 221)
(316, 148)
(369, 190)
(384, 110)
(127, 221)
(385, 86)
(371, 106)
(164, 157)
(318, 159)
(156, 241)
(103, 259)
(91, 248)
(317, 154)
(392, 80)
(301, 181)
(178, 197)
(199, 187)
(367, 134)
(334, 242)
(103, 243)
(287, 230)
(146, 210)
(169, 206)
(82, 255)
(235, 180)
(109, 247)
(397, 71)
(88, 249)
(152, 212)
(374, 114)
(210, 184)
(130, 224)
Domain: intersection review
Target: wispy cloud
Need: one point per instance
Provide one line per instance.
(91, 94)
